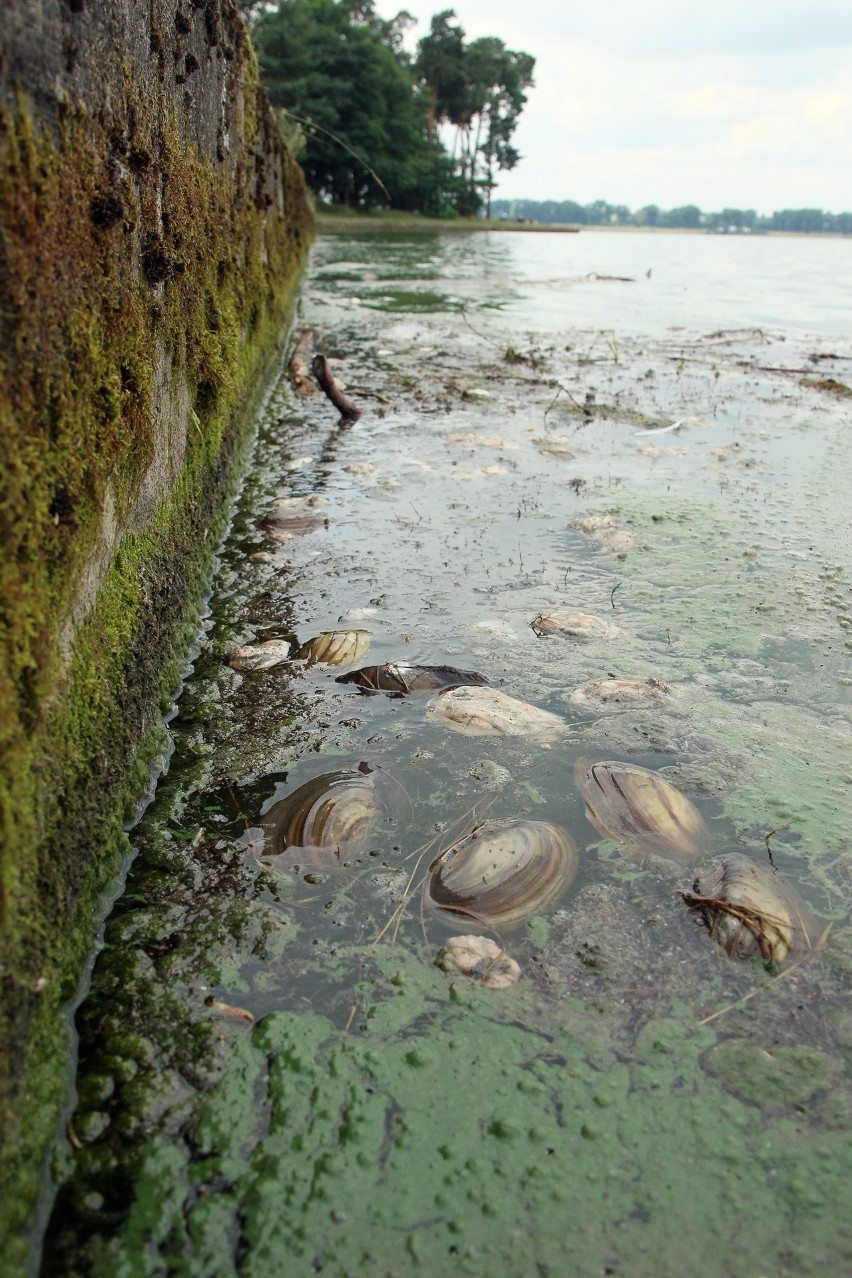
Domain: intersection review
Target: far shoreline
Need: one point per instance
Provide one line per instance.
(340, 223)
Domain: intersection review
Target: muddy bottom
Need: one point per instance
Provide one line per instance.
(275, 1077)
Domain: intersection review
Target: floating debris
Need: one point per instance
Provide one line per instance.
(619, 694)
(487, 712)
(336, 812)
(750, 909)
(401, 679)
(573, 625)
(335, 647)
(228, 1010)
(606, 531)
(481, 959)
(503, 872)
(259, 656)
(624, 801)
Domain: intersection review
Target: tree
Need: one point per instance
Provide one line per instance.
(340, 70)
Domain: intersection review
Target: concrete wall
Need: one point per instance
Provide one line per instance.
(152, 230)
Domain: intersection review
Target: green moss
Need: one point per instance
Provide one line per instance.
(135, 277)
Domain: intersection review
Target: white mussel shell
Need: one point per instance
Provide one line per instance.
(624, 801)
(337, 812)
(750, 910)
(573, 625)
(481, 959)
(259, 656)
(487, 712)
(335, 647)
(619, 694)
(502, 873)
(605, 530)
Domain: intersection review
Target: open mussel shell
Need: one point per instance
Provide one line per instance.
(750, 910)
(401, 679)
(337, 813)
(259, 656)
(502, 873)
(624, 801)
(487, 712)
(573, 625)
(335, 648)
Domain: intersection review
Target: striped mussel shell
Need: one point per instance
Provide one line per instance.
(626, 802)
(337, 812)
(335, 648)
(752, 910)
(502, 873)
(401, 679)
(488, 712)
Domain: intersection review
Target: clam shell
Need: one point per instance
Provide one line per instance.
(503, 872)
(399, 678)
(336, 812)
(750, 910)
(259, 656)
(335, 647)
(624, 801)
(574, 625)
(619, 693)
(487, 712)
(481, 959)
(283, 526)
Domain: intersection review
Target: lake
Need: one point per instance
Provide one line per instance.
(280, 1070)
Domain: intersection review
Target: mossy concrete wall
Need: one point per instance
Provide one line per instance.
(152, 228)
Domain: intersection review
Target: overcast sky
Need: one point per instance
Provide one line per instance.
(737, 103)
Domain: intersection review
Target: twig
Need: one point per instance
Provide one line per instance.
(297, 369)
(324, 376)
(612, 593)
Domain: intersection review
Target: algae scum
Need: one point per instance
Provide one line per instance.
(274, 1076)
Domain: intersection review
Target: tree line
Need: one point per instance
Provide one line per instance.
(374, 125)
(689, 216)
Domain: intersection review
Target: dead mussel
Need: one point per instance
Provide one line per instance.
(259, 656)
(487, 712)
(573, 625)
(624, 801)
(619, 694)
(479, 959)
(401, 679)
(750, 910)
(502, 873)
(335, 814)
(335, 648)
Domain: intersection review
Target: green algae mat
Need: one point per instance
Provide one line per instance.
(274, 1075)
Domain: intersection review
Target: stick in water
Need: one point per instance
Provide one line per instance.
(324, 376)
(300, 377)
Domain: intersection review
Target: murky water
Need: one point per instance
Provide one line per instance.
(274, 1075)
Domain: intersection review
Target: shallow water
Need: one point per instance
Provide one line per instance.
(274, 1076)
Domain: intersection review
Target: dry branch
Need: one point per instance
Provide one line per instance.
(300, 377)
(325, 377)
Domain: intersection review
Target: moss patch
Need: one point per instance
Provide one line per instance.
(144, 289)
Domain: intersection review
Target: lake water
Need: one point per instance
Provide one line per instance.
(275, 1077)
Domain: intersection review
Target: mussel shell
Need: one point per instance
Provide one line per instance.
(573, 625)
(399, 678)
(624, 801)
(487, 712)
(480, 959)
(335, 647)
(337, 812)
(751, 909)
(502, 873)
(619, 694)
(259, 656)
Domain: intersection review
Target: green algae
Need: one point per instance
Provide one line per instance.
(442, 1134)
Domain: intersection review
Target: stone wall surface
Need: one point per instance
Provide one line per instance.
(152, 230)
